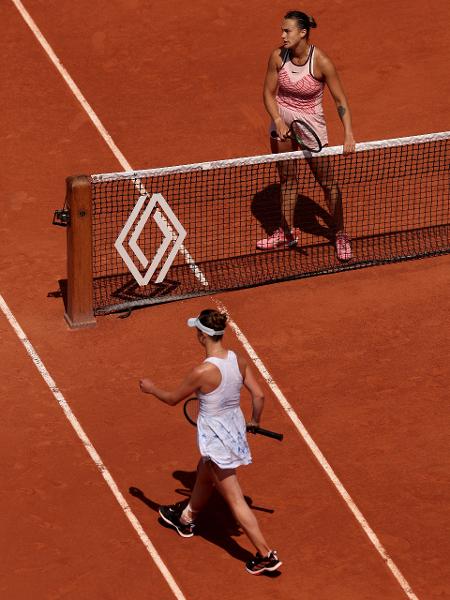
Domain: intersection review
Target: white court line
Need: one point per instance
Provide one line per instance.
(91, 450)
(318, 455)
(255, 358)
(98, 124)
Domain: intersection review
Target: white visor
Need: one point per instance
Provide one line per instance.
(195, 322)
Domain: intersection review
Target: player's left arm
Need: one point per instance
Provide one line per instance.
(250, 382)
(330, 75)
(190, 384)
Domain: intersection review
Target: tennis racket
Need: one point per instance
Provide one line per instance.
(191, 408)
(305, 136)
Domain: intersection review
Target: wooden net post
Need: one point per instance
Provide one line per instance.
(79, 304)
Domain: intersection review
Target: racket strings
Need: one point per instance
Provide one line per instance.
(305, 136)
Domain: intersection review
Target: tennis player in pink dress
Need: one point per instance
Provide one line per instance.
(221, 435)
(293, 89)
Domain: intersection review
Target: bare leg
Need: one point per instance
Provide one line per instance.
(203, 487)
(288, 182)
(323, 173)
(227, 484)
(333, 198)
(289, 194)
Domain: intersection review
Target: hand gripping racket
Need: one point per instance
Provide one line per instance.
(191, 408)
(304, 135)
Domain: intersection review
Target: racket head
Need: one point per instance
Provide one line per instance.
(305, 136)
(191, 409)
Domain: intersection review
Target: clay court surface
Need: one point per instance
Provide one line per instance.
(361, 357)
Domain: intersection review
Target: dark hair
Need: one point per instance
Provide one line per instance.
(304, 21)
(214, 320)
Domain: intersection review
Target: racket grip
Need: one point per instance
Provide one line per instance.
(266, 432)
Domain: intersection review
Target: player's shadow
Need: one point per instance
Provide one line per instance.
(309, 216)
(215, 524)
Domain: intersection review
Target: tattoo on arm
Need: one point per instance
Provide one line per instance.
(341, 111)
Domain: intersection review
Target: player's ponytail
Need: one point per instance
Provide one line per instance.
(214, 320)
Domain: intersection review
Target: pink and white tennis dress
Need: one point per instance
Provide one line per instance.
(300, 95)
(221, 426)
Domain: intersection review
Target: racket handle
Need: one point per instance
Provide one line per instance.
(266, 432)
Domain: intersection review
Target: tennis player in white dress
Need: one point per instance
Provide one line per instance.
(221, 435)
(221, 426)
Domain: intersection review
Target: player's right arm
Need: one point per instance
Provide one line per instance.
(190, 384)
(270, 93)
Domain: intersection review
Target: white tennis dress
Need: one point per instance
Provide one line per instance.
(221, 427)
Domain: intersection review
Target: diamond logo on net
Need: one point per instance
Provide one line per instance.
(173, 232)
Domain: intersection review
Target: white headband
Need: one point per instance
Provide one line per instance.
(195, 322)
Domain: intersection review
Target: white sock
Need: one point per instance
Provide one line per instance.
(188, 515)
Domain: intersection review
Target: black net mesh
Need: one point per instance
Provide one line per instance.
(395, 206)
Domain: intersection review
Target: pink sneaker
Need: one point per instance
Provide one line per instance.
(343, 246)
(278, 239)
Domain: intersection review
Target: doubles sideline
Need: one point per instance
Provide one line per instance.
(239, 334)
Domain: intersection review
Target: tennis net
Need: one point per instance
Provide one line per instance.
(165, 234)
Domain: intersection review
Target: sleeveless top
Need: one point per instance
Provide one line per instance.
(300, 94)
(298, 89)
(221, 427)
(227, 395)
